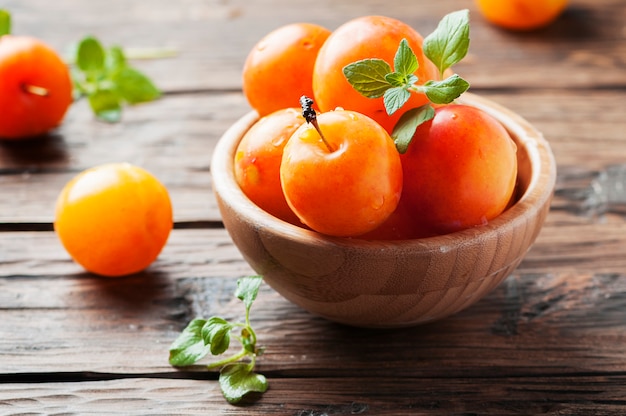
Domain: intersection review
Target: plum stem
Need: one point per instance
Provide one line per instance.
(311, 117)
(36, 90)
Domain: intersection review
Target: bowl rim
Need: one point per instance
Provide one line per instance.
(537, 194)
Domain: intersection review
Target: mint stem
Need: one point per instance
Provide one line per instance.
(150, 53)
(228, 360)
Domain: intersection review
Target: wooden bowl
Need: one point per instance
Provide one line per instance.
(389, 283)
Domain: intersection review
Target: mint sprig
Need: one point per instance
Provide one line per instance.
(203, 336)
(5, 22)
(374, 78)
(108, 81)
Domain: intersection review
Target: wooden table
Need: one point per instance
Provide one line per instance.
(551, 339)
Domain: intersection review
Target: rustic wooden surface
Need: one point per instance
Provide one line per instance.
(550, 340)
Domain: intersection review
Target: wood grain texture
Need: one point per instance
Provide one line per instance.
(552, 333)
(588, 394)
(345, 368)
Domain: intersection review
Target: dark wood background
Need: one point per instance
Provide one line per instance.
(550, 340)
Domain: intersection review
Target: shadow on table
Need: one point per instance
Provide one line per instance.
(38, 152)
(139, 295)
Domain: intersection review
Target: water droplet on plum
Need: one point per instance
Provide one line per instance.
(378, 203)
(279, 140)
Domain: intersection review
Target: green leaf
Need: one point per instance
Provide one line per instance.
(133, 86)
(445, 91)
(90, 55)
(237, 380)
(368, 77)
(106, 105)
(449, 43)
(395, 98)
(405, 62)
(189, 347)
(408, 123)
(115, 59)
(216, 332)
(248, 288)
(5, 22)
(396, 79)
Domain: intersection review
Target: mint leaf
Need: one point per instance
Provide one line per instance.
(368, 77)
(115, 58)
(106, 105)
(247, 289)
(5, 22)
(133, 86)
(90, 55)
(237, 380)
(408, 123)
(445, 91)
(216, 332)
(395, 98)
(396, 79)
(405, 62)
(189, 347)
(449, 43)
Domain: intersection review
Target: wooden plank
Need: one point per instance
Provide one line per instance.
(195, 252)
(57, 318)
(177, 131)
(531, 325)
(181, 130)
(585, 129)
(582, 49)
(174, 139)
(568, 242)
(385, 396)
